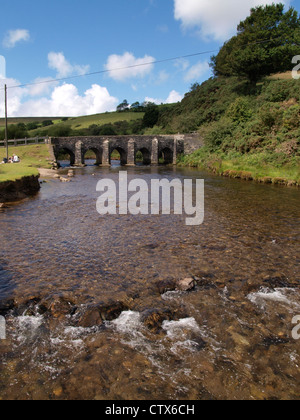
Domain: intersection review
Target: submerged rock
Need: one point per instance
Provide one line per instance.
(96, 314)
(90, 317)
(154, 318)
(166, 285)
(186, 285)
(57, 306)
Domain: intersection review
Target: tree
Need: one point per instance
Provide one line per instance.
(124, 106)
(47, 123)
(136, 107)
(151, 116)
(265, 44)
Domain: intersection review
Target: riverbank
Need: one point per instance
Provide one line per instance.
(32, 158)
(20, 180)
(19, 189)
(260, 167)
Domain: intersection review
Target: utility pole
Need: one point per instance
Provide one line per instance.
(6, 131)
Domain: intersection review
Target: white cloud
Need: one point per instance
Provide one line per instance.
(163, 76)
(197, 71)
(41, 86)
(182, 64)
(128, 66)
(216, 19)
(15, 96)
(173, 97)
(64, 68)
(14, 36)
(65, 100)
(54, 99)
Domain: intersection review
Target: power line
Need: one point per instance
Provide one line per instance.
(112, 70)
(266, 41)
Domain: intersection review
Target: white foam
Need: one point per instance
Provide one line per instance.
(171, 295)
(127, 322)
(27, 326)
(278, 295)
(175, 329)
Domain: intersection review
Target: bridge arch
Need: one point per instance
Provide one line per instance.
(63, 151)
(122, 152)
(144, 154)
(98, 151)
(166, 156)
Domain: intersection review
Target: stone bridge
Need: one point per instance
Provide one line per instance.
(152, 148)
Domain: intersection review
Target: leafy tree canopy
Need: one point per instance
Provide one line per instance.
(265, 44)
(124, 106)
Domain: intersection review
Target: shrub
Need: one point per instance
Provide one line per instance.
(240, 110)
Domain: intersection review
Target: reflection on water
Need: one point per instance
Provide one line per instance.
(230, 338)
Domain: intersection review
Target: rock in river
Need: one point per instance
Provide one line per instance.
(186, 285)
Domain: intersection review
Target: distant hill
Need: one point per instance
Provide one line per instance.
(58, 126)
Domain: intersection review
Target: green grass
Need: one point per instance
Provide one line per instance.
(257, 166)
(32, 157)
(102, 119)
(78, 122)
(26, 120)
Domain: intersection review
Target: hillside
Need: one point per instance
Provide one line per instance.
(247, 128)
(85, 125)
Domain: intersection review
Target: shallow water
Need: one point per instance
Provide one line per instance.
(230, 338)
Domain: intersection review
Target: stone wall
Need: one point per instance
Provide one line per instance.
(152, 148)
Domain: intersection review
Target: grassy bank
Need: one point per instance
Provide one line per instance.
(32, 157)
(262, 167)
(250, 131)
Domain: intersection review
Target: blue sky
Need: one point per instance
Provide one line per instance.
(59, 39)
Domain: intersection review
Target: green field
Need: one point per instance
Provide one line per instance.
(102, 119)
(32, 157)
(27, 120)
(76, 123)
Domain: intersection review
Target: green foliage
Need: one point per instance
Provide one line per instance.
(62, 130)
(15, 131)
(47, 123)
(265, 44)
(240, 110)
(124, 106)
(151, 116)
(32, 126)
(282, 90)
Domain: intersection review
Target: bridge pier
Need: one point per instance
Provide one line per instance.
(154, 154)
(105, 156)
(78, 154)
(131, 153)
(175, 152)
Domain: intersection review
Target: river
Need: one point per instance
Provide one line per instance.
(62, 264)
